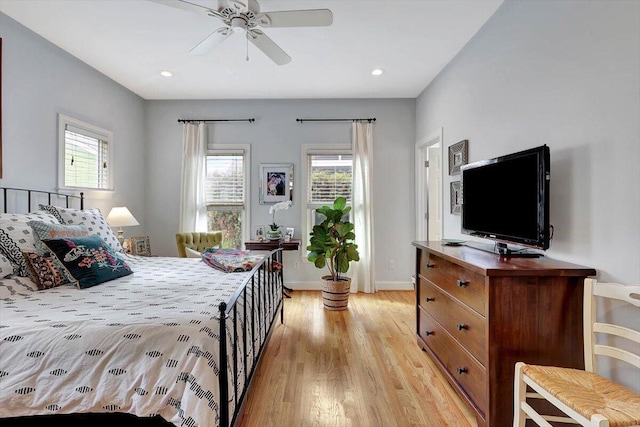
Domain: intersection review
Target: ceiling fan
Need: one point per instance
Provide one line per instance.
(244, 16)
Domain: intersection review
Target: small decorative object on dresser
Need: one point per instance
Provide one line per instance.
(458, 156)
(478, 314)
(138, 246)
(332, 245)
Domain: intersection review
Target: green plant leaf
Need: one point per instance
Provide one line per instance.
(339, 203)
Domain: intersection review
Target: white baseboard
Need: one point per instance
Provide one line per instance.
(382, 286)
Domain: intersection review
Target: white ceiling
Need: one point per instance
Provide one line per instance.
(131, 41)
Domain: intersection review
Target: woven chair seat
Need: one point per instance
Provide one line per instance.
(588, 393)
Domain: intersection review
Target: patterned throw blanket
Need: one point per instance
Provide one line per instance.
(230, 260)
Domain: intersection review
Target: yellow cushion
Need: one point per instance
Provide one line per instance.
(197, 241)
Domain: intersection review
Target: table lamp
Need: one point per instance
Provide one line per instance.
(121, 217)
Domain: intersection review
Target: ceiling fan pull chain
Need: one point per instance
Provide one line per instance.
(247, 33)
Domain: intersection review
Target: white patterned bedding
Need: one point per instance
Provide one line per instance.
(145, 344)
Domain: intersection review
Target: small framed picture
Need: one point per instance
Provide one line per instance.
(456, 197)
(258, 232)
(289, 234)
(276, 182)
(138, 246)
(458, 156)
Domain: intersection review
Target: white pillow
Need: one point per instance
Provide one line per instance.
(16, 237)
(90, 218)
(192, 253)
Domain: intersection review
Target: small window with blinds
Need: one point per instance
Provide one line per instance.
(85, 155)
(329, 175)
(225, 196)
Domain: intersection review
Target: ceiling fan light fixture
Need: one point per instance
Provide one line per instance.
(238, 25)
(377, 72)
(165, 73)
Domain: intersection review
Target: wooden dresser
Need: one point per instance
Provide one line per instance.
(478, 313)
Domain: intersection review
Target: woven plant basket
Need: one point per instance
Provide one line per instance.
(335, 294)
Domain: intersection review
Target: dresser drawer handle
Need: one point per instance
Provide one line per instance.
(429, 299)
(462, 370)
(430, 265)
(462, 283)
(462, 326)
(427, 333)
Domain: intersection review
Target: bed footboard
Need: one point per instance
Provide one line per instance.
(248, 321)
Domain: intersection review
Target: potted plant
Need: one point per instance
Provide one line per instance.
(332, 245)
(274, 232)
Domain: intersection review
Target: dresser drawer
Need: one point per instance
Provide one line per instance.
(462, 367)
(462, 323)
(463, 284)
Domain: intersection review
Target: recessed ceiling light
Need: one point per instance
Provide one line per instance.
(377, 72)
(166, 73)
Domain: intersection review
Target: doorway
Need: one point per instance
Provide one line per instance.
(428, 187)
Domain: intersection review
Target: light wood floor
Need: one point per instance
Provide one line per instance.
(359, 367)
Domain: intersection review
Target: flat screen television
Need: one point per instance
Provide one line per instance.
(506, 199)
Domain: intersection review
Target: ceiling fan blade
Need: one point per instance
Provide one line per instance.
(268, 46)
(184, 5)
(296, 18)
(217, 37)
(253, 6)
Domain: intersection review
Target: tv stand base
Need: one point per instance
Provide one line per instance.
(505, 251)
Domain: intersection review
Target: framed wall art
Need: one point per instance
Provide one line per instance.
(456, 197)
(458, 156)
(276, 182)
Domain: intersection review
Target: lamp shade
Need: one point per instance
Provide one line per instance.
(121, 217)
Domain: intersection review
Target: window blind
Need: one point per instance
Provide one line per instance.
(86, 155)
(224, 183)
(330, 176)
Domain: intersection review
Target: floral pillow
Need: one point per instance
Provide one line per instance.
(88, 260)
(91, 218)
(16, 237)
(44, 271)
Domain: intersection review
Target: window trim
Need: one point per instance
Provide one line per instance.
(245, 150)
(92, 131)
(310, 149)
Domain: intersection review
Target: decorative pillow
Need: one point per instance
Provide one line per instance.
(5, 266)
(192, 253)
(16, 237)
(91, 218)
(87, 260)
(230, 260)
(44, 270)
(42, 230)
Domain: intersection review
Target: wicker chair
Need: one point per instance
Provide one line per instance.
(585, 397)
(197, 241)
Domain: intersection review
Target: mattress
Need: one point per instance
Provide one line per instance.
(145, 344)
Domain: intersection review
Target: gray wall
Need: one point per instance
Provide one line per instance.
(276, 137)
(39, 80)
(565, 74)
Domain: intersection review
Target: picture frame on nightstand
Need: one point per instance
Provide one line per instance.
(137, 246)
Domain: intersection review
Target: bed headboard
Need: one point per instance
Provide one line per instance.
(13, 197)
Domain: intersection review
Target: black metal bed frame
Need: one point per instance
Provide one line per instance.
(266, 284)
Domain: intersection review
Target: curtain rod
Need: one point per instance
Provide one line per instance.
(373, 119)
(251, 120)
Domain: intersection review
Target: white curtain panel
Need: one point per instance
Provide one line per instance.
(363, 271)
(193, 208)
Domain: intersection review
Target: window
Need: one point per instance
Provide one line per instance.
(226, 194)
(328, 175)
(85, 155)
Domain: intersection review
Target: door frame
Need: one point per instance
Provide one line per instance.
(421, 184)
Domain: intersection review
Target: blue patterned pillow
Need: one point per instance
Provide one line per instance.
(42, 230)
(88, 260)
